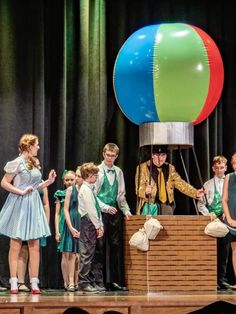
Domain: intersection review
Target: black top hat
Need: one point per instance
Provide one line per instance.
(159, 149)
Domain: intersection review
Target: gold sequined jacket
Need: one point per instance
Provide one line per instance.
(174, 181)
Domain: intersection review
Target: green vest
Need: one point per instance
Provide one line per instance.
(216, 205)
(108, 193)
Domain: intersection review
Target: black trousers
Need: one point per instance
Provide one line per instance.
(113, 248)
(90, 254)
(223, 247)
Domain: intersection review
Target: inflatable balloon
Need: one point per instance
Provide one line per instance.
(168, 72)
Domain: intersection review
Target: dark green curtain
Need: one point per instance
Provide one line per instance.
(56, 68)
(52, 83)
(213, 136)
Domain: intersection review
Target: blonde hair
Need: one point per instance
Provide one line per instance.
(68, 172)
(78, 169)
(87, 169)
(25, 142)
(233, 156)
(219, 159)
(112, 147)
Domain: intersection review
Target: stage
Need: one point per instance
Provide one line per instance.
(132, 302)
(177, 275)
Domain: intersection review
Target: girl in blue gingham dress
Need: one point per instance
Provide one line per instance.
(22, 217)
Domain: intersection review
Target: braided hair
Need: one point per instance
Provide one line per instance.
(25, 142)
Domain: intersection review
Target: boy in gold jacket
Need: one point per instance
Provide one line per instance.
(160, 187)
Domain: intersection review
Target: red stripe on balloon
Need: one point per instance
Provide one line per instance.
(216, 75)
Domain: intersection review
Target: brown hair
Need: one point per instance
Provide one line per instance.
(87, 169)
(37, 162)
(25, 142)
(219, 159)
(112, 147)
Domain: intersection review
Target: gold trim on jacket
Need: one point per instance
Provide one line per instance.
(174, 181)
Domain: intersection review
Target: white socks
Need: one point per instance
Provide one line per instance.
(14, 283)
(34, 283)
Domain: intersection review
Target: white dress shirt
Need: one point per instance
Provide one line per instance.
(86, 199)
(210, 186)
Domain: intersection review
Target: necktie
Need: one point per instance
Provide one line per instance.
(111, 170)
(161, 186)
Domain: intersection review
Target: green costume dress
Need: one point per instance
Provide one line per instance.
(42, 241)
(232, 198)
(68, 242)
(60, 196)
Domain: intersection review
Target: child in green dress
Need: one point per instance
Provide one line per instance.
(68, 180)
(70, 235)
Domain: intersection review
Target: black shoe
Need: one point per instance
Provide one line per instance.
(2, 289)
(223, 286)
(115, 287)
(99, 287)
(89, 288)
(225, 283)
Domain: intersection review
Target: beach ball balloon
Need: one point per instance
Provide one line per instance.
(170, 72)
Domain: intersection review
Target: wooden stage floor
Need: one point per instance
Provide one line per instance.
(57, 301)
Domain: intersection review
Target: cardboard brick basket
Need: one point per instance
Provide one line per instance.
(181, 258)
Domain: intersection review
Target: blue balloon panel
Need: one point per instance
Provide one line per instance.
(134, 66)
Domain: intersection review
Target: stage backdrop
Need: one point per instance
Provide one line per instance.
(56, 64)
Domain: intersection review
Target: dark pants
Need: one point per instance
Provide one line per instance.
(223, 247)
(164, 209)
(90, 263)
(113, 248)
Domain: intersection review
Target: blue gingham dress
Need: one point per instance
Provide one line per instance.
(23, 217)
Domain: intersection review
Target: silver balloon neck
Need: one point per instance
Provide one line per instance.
(174, 134)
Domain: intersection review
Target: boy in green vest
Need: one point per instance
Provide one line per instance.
(110, 189)
(214, 189)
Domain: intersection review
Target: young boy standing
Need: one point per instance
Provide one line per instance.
(91, 230)
(214, 189)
